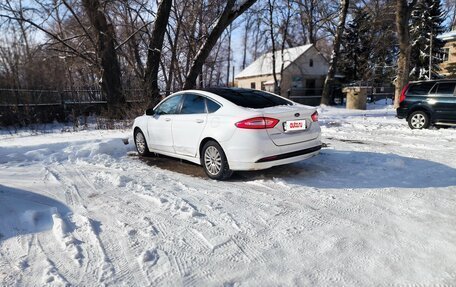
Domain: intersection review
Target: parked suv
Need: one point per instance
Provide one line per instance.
(426, 103)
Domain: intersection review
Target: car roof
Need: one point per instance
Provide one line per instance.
(207, 94)
(433, 81)
(235, 97)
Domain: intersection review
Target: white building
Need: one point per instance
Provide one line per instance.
(304, 69)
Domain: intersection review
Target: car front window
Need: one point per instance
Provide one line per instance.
(169, 106)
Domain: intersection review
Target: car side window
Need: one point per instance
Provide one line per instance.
(212, 106)
(170, 106)
(193, 104)
(420, 89)
(446, 89)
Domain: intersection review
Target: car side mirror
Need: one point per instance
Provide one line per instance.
(150, 112)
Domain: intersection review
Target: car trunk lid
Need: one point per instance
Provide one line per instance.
(295, 124)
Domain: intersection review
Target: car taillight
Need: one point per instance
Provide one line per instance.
(314, 117)
(257, 123)
(403, 93)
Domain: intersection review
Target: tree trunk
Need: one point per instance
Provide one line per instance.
(228, 60)
(403, 11)
(245, 40)
(155, 49)
(329, 81)
(273, 44)
(226, 18)
(111, 84)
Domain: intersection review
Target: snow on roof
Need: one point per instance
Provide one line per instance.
(263, 65)
(448, 36)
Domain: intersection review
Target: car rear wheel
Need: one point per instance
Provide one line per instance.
(214, 161)
(418, 120)
(141, 143)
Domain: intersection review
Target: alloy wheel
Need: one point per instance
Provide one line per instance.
(140, 143)
(212, 160)
(418, 121)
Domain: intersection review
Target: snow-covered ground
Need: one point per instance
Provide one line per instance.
(376, 207)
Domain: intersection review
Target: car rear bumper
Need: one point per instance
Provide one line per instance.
(401, 113)
(266, 154)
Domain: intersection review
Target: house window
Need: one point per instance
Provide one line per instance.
(445, 53)
(311, 62)
(263, 87)
(297, 82)
(252, 85)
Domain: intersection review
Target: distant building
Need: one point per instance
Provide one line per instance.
(448, 65)
(305, 68)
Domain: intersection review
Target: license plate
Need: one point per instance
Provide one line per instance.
(298, 125)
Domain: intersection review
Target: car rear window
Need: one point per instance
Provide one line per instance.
(420, 89)
(250, 98)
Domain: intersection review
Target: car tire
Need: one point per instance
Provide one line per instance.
(214, 162)
(141, 143)
(418, 120)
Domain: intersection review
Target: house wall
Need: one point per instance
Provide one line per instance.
(296, 75)
(451, 46)
(246, 82)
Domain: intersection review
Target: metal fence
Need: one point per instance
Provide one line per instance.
(23, 97)
(22, 106)
(310, 97)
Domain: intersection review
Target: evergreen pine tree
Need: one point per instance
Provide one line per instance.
(355, 54)
(426, 24)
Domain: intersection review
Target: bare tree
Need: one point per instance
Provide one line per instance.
(230, 12)
(111, 84)
(245, 39)
(403, 11)
(272, 37)
(329, 81)
(155, 50)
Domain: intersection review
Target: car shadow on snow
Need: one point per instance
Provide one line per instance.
(337, 169)
(25, 212)
(356, 169)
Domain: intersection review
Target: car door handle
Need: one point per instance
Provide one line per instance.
(199, 121)
(167, 119)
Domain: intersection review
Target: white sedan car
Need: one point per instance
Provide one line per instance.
(229, 129)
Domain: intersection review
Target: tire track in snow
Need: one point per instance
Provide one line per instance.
(88, 231)
(71, 192)
(127, 265)
(53, 272)
(134, 253)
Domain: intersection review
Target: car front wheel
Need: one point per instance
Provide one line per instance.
(214, 161)
(141, 143)
(418, 120)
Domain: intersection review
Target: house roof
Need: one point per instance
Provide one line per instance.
(448, 36)
(263, 65)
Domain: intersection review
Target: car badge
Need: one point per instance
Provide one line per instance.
(297, 115)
